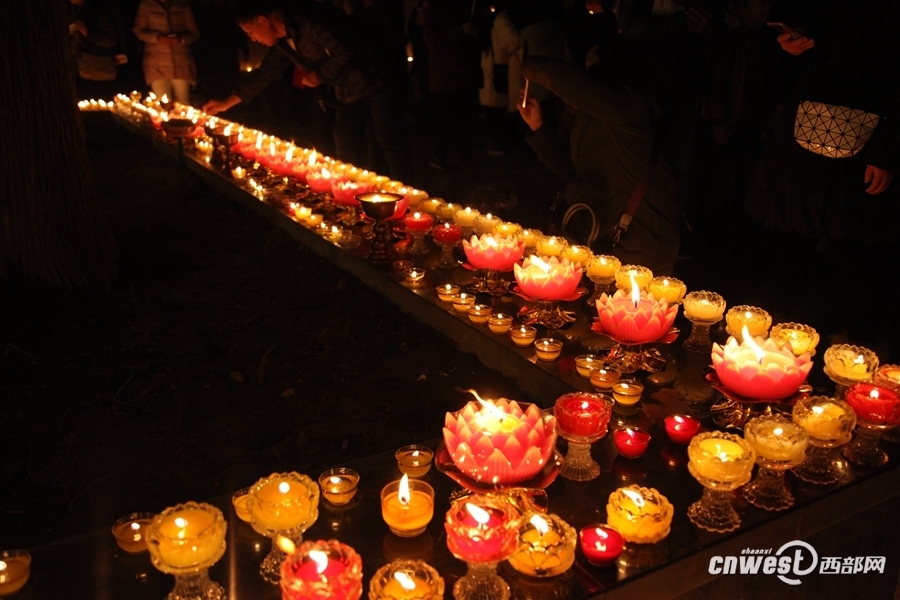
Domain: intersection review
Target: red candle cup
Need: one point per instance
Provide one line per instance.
(601, 544)
(681, 428)
(630, 442)
(322, 570)
(418, 221)
(584, 416)
(874, 404)
(480, 529)
(446, 233)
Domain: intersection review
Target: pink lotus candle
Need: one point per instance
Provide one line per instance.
(631, 442)
(320, 181)
(601, 544)
(447, 233)
(635, 316)
(345, 192)
(548, 280)
(481, 529)
(499, 442)
(874, 404)
(681, 428)
(321, 569)
(759, 369)
(418, 221)
(493, 252)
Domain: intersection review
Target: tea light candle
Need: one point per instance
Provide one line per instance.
(586, 363)
(578, 254)
(642, 277)
(603, 267)
(704, 306)
(641, 515)
(479, 314)
(824, 418)
(550, 245)
(531, 236)
(414, 461)
(431, 205)
(523, 336)
(417, 197)
(485, 223)
(314, 220)
(465, 218)
(131, 532)
(407, 506)
(667, 288)
(631, 442)
(462, 302)
(339, 485)
(545, 546)
(681, 428)
(548, 349)
(756, 319)
(888, 376)
(400, 267)
(447, 291)
(627, 392)
(850, 363)
(15, 569)
(405, 579)
(301, 213)
(601, 544)
(499, 323)
(238, 173)
(239, 501)
(802, 338)
(874, 404)
(415, 276)
(604, 378)
(446, 211)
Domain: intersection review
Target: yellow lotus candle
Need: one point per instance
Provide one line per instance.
(704, 306)
(339, 485)
(238, 173)
(642, 277)
(523, 336)
(551, 245)
(846, 363)
(756, 319)
(405, 579)
(824, 418)
(545, 546)
(667, 288)
(586, 363)
(604, 378)
(407, 506)
(431, 205)
(578, 254)
(15, 569)
(548, 349)
(888, 376)
(414, 460)
(641, 515)
(418, 197)
(776, 439)
(239, 502)
(486, 223)
(314, 221)
(531, 236)
(447, 291)
(479, 314)
(462, 302)
(499, 323)
(283, 502)
(505, 229)
(603, 267)
(465, 218)
(627, 392)
(447, 211)
(186, 537)
(301, 213)
(131, 532)
(719, 456)
(802, 338)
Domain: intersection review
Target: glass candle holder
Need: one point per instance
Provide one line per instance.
(641, 515)
(601, 544)
(282, 504)
(431, 205)
(887, 376)
(418, 224)
(185, 540)
(829, 423)
(322, 569)
(481, 530)
(548, 349)
(338, 486)
(530, 237)
(756, 319)
(667, 288)
(485, 223)
(479, 313)
(780, 445)
(407, 506)
(721, 462)
(846, 364)
(465, 218)
(400, 267)
(581, 419)
(239, 502)
(545, 546)
(627, 391)
(414, 461)
(578, 254)
(681, 429)
(604, 378)
(446, 292)
(631, 442)
(404, 579)
(703, 309)
(15, 569)
(447, 236)
(447, 211)
(586, 363)
(314, 220)
(877, 410)
(642, 276)
(523, 336)
(414, 277)
(550, 245)
(802, 338)
(462, 302)
(499, 323)
(130, 532)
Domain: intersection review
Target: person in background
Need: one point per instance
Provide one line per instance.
(93, 39)
(168, 29)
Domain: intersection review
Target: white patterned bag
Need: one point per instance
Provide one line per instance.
(833, 131)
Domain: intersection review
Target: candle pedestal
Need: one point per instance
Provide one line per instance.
(818, 467)
(380, 207)
(417, 245)
(829, 423)
(877, 410)
(492, 283)
(447, 260)
(732, 411)
(721, 462)
(481, 582)
(602, 286)
(221, 157)
(196, 586)
(714, 512)
(630, 358)
(581, 420)
(863, 450)
(779, 445)
(546, 313)
(699, 340)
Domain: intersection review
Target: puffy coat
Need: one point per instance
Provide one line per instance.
(167, 61)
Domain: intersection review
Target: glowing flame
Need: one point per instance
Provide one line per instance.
(286, 545)
(678, 420)
(490, 241)
(2, 565)
(321, 560)
(417, 215)
(479, 514)
(599, 545)
(312, 159)
(405, 581)
(585, 405)
(334, 480)
(635, 497)
(540, 524)
(164, 99)
(415, 454)
(748, 339)
(543, 265)
(860, 359)
(284, 487)
(181, 522)
(271, 148)
(228, 128)
(874, 394)
(289, 154)
(326, 173)
(135, 526)
(777, 431)
(635, 290)
(628, 430)
(259, 138)
(403, 492)
(818, 410)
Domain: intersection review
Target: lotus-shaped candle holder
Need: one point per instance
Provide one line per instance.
(635, 317)
(500, 442)
(495, 252)
(759, 369)
(550, 279)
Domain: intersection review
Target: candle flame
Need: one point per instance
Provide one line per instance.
(284, 487)
(818, 410)
(635, 497)
(321, 560)
(415, 454)
(490, 241)
(540, 524)
(478, 513)
(635, 291)
(679, 420)
(335, 480)
(405, 581)
(630, 432)
(289, 154)
(164, 99)
(585, 405)
(417, 215)
(181, 522)
(403, 495)
(271, 148)
(601, 533)
(748, 339)
(135, 526)
(326, 173)
(312, 158)
(2, 565)
(535, 260)
(286, 545)
(873, 394)
(778, 431)
(860, 359)
(259, 140)
(227, 130)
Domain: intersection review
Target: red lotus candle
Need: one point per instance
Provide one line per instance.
(681, 428)
(418, 221)
(874, 404)
(635, 315)
(320, 180)
(322, 569)
(601, 544)
(447, 233)
(630, 442)
(582, 415)
(493, 252)
(548, 280)
(481, 529)
(345, 192)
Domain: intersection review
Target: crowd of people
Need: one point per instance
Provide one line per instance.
(660, 117)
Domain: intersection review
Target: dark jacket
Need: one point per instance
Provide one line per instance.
(454, 58)
(324, 43)
(610, 143)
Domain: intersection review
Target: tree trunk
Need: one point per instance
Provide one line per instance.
(51, 227)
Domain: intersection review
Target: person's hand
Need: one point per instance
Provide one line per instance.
(721, 135)
(795, 46)
(469, 29)
(698, 20)
(214, 107)
(78, 26)
(531, 113)
(311, 80)
(878, 179)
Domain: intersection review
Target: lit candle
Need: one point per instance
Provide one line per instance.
(406, 580)
(586, 363)
(407, 506)
(888, 376)
(131, 532)
(462, 302)
(431, 205)
(776, 439)
(187, 536)
(824, 418)
(493, 252)
(604, 378)
(320, 569)
(548, 349)
(481, 529)
(581, 416)
(802, 338)
(339, 485)
(531, 236)
(479, 314)
(756, 319)
(447, 233)
(414, 461)
(415, 276)
(314, 220)
(239, 501)
(545, 546)
(627, 392)
(601, 544)
(283, 502)
(631, 442)
(721, 457)
(704, 306)
(302, 213)
(447, 291)
(466, 218)
(874, 404)
(486, 223)
(523, 336)
(446, 211)
(635, 315)
(578, 254)
(552, 279)
(238, 173)
(681, 428)
(641, 515)
(551, 245)
(850, 364)
(418, 221)
(320, 181)
(499, 323)
(15, 569)
(507, 229)
(667, 288)
(626, 275)
(603, 267)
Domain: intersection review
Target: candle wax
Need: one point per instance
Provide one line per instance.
(14, 573)
(601, 545)
(180, 544)
(411, 517)
(339, 489)
(308, 569)
(394, 590)
(627, 394)
(131, 536)
(631, 443)
(414, 463)
(825, 423)
(582, 415)
(681, 429)
(281, 505)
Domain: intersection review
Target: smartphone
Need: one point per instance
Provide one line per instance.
(782, 28)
